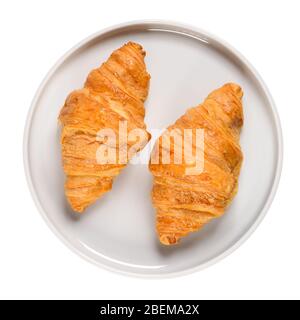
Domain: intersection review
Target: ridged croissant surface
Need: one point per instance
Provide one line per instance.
(186, 202)
(112, 93)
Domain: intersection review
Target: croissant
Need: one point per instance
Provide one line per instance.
(113, 93)
(185, 201)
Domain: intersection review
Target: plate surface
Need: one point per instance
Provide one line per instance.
(118, 232)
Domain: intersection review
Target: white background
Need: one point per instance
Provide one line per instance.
(33, 262)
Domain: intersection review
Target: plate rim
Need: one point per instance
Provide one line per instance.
(194, 32)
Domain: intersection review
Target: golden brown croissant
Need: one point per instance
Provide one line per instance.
(113, 93)
(186, 202)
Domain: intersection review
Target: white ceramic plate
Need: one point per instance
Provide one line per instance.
(118, 232)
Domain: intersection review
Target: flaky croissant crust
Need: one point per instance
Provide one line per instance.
(185, 203)
(112, 93)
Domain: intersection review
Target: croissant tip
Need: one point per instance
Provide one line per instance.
(77, 206)
(78, 209)
(236, 89)
(133, 43)
(168, 240)
(136, 46)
